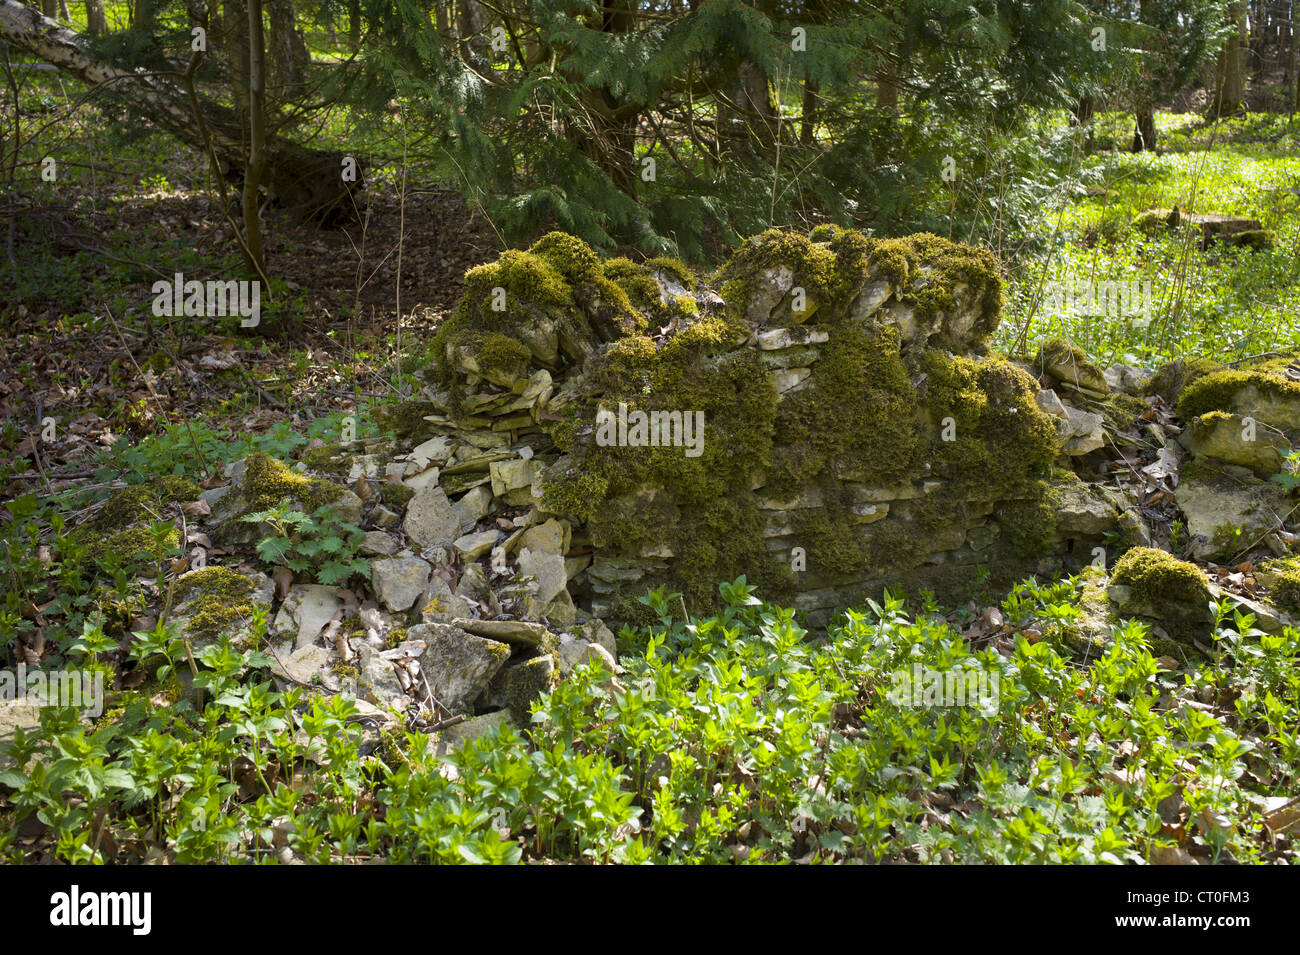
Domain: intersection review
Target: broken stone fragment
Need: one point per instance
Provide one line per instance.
(440, 605)
(308, 665)
(458, 665)
(775, 338)
(378, 544)
(551, 537)
(1228, 509)
(474, 504)
(512, 480)
(377, 679)
(430, 519)
(1127, 378)
(519, 632)
(1081, 432)
(1236, 440)
(399, 581)
(473, 546)
(548, 571)
(1069, 366)
(1082, 512)
(307, 608)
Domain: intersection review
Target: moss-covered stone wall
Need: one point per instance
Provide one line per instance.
(856, 431)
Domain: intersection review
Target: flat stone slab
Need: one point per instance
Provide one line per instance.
(519, 632)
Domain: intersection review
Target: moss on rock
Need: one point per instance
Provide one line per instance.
(1156, 577)
(1218, 391)
(1282, 577)
(268, 482)
(215, 600)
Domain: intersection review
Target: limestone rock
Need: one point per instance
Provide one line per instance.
(440, 605)
(399, 581)
(306, 665)
(1069, 366)
(430, 519)
(378, 544)
(458, 665)
(516, 686)
(547, 569)
(377, 680)
(307, 608)
(519, 632)
(551, 537)
(473, 546)
(1082, 512)
(1236, 440)
(1228, 509)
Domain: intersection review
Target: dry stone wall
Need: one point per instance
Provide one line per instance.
(823, 416)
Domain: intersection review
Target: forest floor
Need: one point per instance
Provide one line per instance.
(758, 745)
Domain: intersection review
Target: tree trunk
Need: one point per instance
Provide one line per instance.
(1231, 92)
(288, 51)
(354, 25)
(50, 8)
(808, 121)
(254, 259)
(63, 10)
(1144, 136)
(143, 17)
(307, 182)
(96, 22)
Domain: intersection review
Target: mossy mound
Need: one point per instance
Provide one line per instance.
(214, 601)
(1156, 585)
(1263, 391)
(1282, 577)
(144, 502)
(267, 482)
(1169, 380)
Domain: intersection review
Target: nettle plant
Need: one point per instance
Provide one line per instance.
(321, 543)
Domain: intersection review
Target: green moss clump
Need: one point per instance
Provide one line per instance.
(1169, 380)
(393, 639)
(1257, 240)
(139, 542)
(676, 269)
(1216, 391)
(814, 267)
(1284, 582)
(218, 600)
(143, 502)
(1122, 411)
(267, 482)
(927, 269)
(866, 409)
(559, 282)
(1158, 578)
(1002, 437)
(327, 457)
(1153, 220)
